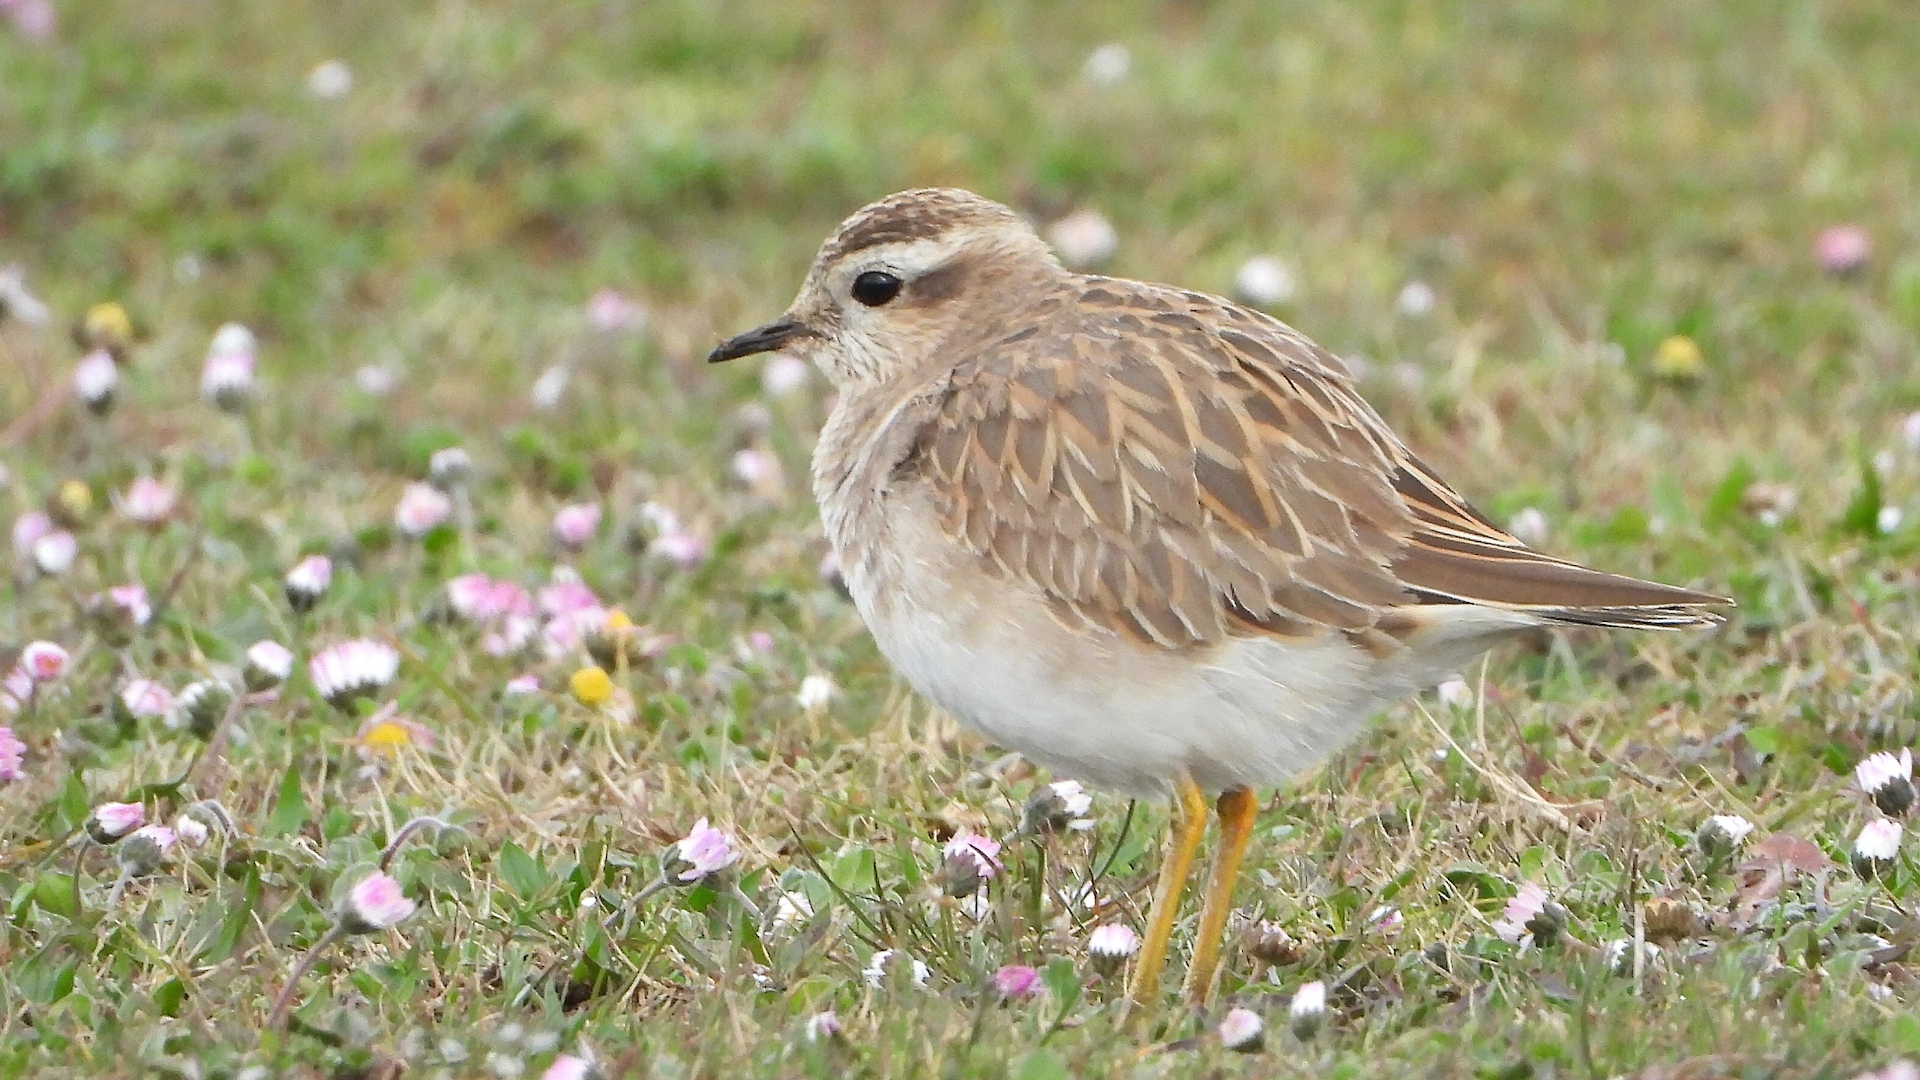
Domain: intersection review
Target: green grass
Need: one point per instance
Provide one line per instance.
(1577, 184)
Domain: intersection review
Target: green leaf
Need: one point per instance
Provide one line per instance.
(54, 892)
(1863, 513)
(1723, 506)
(1062, 982)
(853, 872)
(1903, 1034)
(522, 873)
(1042, 1065)
(1764, 740)
(168, 996)
(290, 809)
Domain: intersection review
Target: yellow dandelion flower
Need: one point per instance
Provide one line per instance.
(107, 326)
(591, 686)
(387, 736)
(74, 502)
(1679, 357)
(617, 621)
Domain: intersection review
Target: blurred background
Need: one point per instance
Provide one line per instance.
(1498, 211)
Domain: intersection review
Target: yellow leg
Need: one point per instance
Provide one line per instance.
(1237, 809)
(1189, 825)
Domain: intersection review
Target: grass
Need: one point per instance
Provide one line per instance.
(1577, 185)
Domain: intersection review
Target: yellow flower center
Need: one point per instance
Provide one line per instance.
(591, 686)
(1679, 357)
(388, 736)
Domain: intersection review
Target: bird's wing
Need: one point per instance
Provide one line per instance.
(1180, 470)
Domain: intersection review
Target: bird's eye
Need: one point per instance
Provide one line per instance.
(875, 287)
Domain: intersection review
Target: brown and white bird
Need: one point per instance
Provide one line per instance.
(1147, 537)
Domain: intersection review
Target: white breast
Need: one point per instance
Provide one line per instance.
(1100, 708)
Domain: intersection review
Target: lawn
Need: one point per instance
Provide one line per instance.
(1645, 282)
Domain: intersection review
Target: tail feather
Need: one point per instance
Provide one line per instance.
(1454, 569)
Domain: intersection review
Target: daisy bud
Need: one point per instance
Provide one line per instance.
(1531, 917)
(1843, 250)
(96, 378)
(1110, 945)
(374, 903)
(791, 910)
(422, 509)
(704, 851)
(1416, 300)
(1271, 944)
(822, 1025)
(147, 502)
(784, 374)
(1263, 282)
(1770, 503)
(29, 529)
(550, 387)
(1107, 65)
(191, 831)
(113, 820)
(569, 1067)
(1887, 779)
(13, 755)
(574, 526)
(54, 553)
(268, 665)
(969, 862)
(1619, 955)
(200, 707)
(1242, 1031)
(1721, 835)
(449, 468)
(832, 577)
(16, 300)
(1061, 805)
(816, 691)
(376, 380)
(144, 699)
(1456, 694)
(145, 849)
(121, 610)
(330, 80)
(1083, 239)
(226, 381)
(353, 669)
(1529, 526)
(307, 582)
(1309, 1010)
(885, 962)
(1016, 982)
(43, 661)
(682, 548)
(1875, 848)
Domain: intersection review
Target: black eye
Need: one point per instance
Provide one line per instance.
(875, 287)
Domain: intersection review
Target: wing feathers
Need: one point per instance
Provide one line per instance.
(1183, 470)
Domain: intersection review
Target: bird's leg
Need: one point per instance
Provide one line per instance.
(1189, 825)
(1237, 808)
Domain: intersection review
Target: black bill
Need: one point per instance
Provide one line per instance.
(763, 339)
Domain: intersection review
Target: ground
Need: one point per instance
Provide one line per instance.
(1574, 253)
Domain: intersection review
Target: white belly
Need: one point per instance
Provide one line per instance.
(1102, 709)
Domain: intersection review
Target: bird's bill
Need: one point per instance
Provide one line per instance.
(766, 338)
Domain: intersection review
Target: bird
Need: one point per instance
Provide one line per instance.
(1149, 538)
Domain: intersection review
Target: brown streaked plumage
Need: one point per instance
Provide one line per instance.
(1144, 535)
